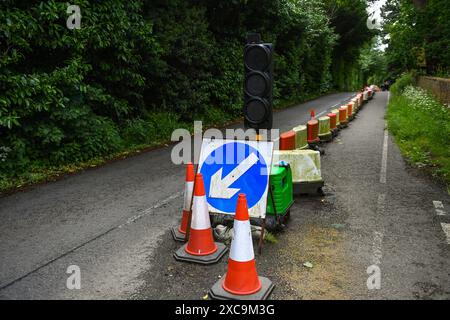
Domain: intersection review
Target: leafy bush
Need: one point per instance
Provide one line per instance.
(405, 80)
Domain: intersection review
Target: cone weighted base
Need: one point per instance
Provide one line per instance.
(326, 137)
(306, 146)
(313, 144)
(343, 124)
(177, 235)
(217, 292)
(334, 132)
(182, 255)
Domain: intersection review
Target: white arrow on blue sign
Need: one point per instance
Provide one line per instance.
(230, 167)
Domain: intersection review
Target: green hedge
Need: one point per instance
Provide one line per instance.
(137, 69)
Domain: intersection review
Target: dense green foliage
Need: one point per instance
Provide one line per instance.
(348, 19)
(405, 80)
(419, 36)
(136, 70)
(421, 127)
(373, 63)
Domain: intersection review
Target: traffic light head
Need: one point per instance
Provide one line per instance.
(258, 84)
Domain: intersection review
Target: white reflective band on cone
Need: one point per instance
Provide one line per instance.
(200, 214)
(242, 245)
(188, 189)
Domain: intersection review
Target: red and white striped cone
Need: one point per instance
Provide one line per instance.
(241, 280)
(179, 233)
(201, 247)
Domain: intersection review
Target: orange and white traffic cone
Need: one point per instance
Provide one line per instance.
(201, 247)
(179, 233)
(241, 280)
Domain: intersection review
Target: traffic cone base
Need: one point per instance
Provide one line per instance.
(217, 291)
(177, 235)
(182, 255)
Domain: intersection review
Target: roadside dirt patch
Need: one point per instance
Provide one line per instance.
(323, 248)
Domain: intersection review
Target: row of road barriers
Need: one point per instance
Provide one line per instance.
(300, 146)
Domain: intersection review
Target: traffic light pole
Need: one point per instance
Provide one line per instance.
(263, 223)
(258, 95)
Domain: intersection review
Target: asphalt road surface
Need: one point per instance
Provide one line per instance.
(113, 223)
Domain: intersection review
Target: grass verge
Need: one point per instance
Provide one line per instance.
(421, 128)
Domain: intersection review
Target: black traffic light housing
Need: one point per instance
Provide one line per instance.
(258, 83)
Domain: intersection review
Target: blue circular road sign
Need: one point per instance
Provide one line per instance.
(234, 168)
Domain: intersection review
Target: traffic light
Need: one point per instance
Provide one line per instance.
(258, 83)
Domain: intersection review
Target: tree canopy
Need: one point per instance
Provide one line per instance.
(419, 36)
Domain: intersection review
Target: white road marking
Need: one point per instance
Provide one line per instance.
(384, 157)
(438, 204)
(446, 229)
(438, 207)
(150, 210)
(377, 245)
(318, 115)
